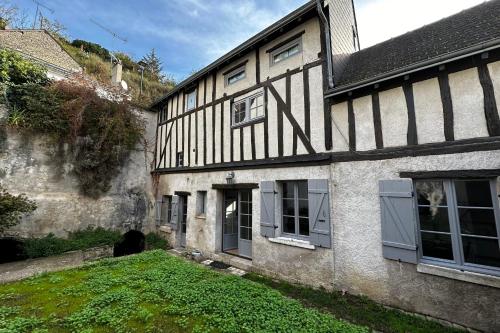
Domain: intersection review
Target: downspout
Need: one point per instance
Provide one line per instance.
(326, 27)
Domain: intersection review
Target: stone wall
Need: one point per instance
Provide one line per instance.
(37, 166)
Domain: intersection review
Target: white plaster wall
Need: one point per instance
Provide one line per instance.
(217, 143)
(201, 140)
(468, 105)
(314, 267)
(227, 131)
(209, 88)
(394, 117)
(363, 118)
(192, 150)
(236, 145)
(494, 69)
(272, 113)
(317, 109)
(311, 46)
(428, 111)
(359, 265)
(247, 143)
(185, 148)
(259, 141)
(209, 126)
(340, 127)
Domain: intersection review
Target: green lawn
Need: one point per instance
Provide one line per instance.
(154, 292)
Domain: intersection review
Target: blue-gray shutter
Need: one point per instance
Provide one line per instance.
(174, 219)
(319, 213)
(398, 219)
(158, 211)
(267, 209)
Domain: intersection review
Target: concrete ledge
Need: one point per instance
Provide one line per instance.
(455, 274)
(293, 242)
(166, 228)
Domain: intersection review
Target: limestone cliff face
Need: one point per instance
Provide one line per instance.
(39, 167)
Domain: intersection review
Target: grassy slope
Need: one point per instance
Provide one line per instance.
(101, 71)
(154, 292)
(355, 309)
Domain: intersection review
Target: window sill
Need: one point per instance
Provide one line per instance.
(249, 122)
(166, 228)
(201, 217)
(455, 274)
(293, 242)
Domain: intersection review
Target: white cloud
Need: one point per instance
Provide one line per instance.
(379, 20)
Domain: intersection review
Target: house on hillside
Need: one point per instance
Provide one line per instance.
(373, 171)
(41, 47)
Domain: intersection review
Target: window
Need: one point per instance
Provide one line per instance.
(286, 51)
(191, 100)
(166, 212)
(201, 203)
(248, 109)
(295, 208)
(459, 223)
(163, 115)
(235, 75)
(179, 161)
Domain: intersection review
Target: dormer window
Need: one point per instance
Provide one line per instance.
(191, 100)
(235, 75)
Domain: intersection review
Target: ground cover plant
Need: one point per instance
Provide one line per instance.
(355, 309)
(154, 292)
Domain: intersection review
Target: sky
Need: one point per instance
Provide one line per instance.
(189, 34)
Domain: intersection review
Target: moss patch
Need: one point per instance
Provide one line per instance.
(154, 292)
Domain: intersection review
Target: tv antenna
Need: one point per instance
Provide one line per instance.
(39, 11)
(115, 35)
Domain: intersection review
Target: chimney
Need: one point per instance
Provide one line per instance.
(116, 73)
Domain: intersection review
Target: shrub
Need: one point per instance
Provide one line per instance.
(12, 208)
(154, 241)
(91, 48)
(79, 240)
(15, 69)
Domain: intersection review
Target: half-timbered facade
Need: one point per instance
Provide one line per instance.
(373, 171)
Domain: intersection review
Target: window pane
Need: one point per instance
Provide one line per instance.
(302, 189)
(245, 220)
(246, 196)
(236, 77)
(253, 102)
(288, 225)
(304, 226)
(243, 233)
(239, 112)
(475, 193)
(477, 222)
(246, 208)
(303, 208)
(481, 251)
(288, 207)
(434, 219)
(437, 246)
(288, 190)
(430, 192)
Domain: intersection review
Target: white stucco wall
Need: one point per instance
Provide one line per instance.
(359, 265)
(394, 117)
(314, 267)
(468, 106)
(340, 127)
(494, 69)
(428, 111)
(363, 115)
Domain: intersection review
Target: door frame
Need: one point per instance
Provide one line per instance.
(238, 210)
(183, 202)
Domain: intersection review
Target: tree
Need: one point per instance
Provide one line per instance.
(11, 16)
(153, 65)
(12, 208)
(54, 27)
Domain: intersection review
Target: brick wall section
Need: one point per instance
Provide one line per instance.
(39, 45)
(341, 22)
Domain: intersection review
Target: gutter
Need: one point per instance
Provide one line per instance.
(440, 60)
(326, 27)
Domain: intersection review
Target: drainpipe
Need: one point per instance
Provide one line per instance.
(326, 27)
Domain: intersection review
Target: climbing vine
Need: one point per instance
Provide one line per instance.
(12, 208)
(100, 128)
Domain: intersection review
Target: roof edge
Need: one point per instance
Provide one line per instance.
(415, 67)
(310, 5)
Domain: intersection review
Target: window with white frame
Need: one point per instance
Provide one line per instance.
(286, 51)
(248, 109)
(459, 223)
(191, 100)
(235, 75)
(295, 208)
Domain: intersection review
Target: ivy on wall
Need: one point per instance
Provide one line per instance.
(100, 132)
